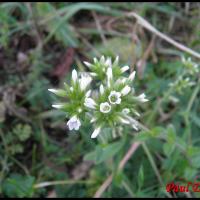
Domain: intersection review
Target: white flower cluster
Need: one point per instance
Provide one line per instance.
(186, 78)
(190, 66)
(112, 104)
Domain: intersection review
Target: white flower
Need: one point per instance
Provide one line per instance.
(142, 98)
(136, 113)
(90, 103)
(114, 97)
(93, 120)
(87, 64)
(135, 127)
(93, 74)
(124, 69)
(123, 120)
(84, 81)
(80, 110)
(58, 106)
(116, 61)
(101, 89)
(108, 62)
(109, 75)
(88, 93)
(126, 110)
(53, 91)
(125, 90)
(105, 107)
(71, 89)
(74, 75)
(121, 81)
(132, 76)
(102, 60)
(96, 132)
(133, 122)
(95, 60)
(74, 123)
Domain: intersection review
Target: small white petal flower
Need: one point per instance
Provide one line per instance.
(121, 81)
(124, 121)
(124, 69)
(53, 91)
(74, 123)
(126, 110)
(95, 60)
(84, 81)
(132, 76)
(136, 113)
(102, 60)
(134, 122)
(125, 90)
(80, 110)
(108, 62)
(74, 75)
(135, 127)
(142, 98)
(116, 61)
(109, 75)
(90, 103)
(101, 89)
(114, 97)
(93, 74)
(93, 120)
(58, 106)
(71, 88)
(87, 64)
(88, 93)
(105, 107)
(183, 59)
(96, 132)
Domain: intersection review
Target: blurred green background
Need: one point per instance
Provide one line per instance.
(40, 43)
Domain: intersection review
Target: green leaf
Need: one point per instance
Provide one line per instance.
(195, 119)
(19, 186)
(143, 136)
(171, 134)
(157, 131)
(23, 132)
(190, 173)
(63, 33)
(196, 161)
(141, 176)
(168, 148)
(103, 153)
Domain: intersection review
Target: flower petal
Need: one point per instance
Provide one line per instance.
(96, 132)
(132, 76)
(74, 75)
(101, 89)
(58, 106)
(90, 103)
(124, 69)
(126, 90)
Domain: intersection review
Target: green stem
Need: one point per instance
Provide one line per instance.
(188, 109)
(193, 96)
(151, 160)
(128, 189)
(154, 112)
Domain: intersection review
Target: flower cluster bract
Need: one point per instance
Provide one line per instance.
(105, 95)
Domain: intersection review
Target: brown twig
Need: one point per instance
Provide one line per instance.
(141, 63)
(148, 26)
